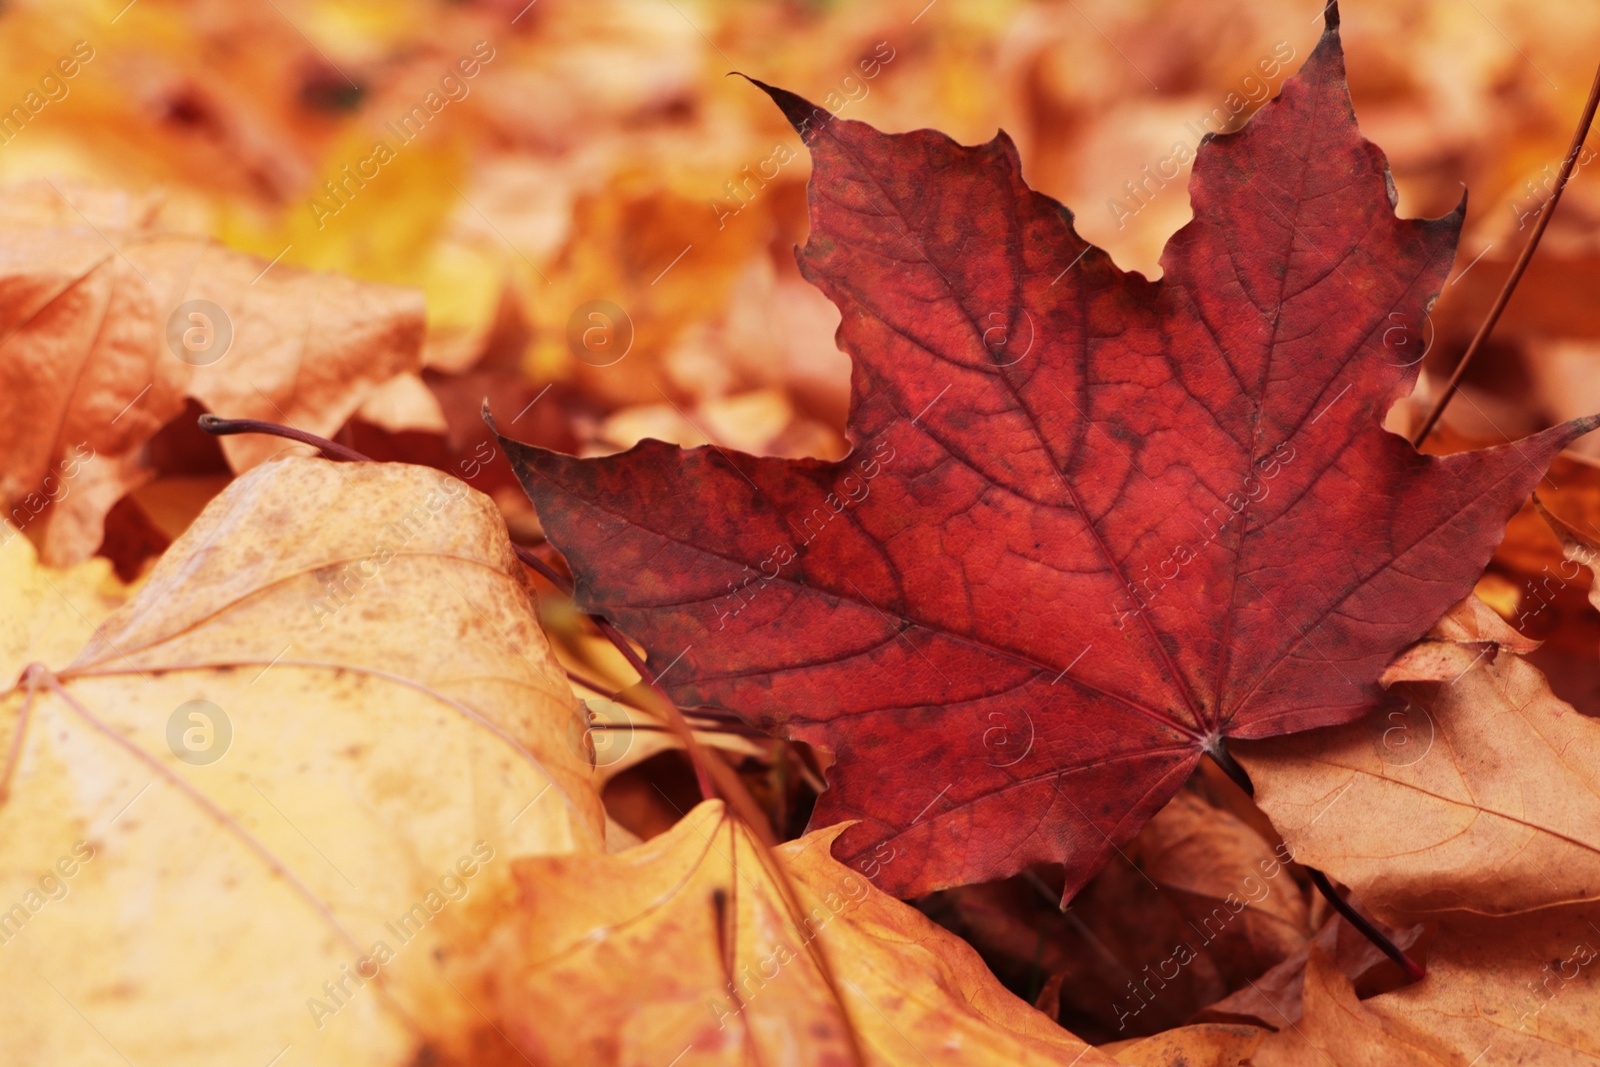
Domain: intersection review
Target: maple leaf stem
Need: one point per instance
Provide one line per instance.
(704, 769)
(1224, 759)
(1545, 215)
(220, 427)
(562, 583)
(1413, 970)
(705, 720)
(1218, 751)
(610, 691)
(32, 678)
(706, 774)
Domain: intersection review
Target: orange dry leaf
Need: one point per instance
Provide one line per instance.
(1577, 547)
(1201, 906)
(1482, 796)
(1516, 990)
(685, 951)
(1338, 1030)
(404, 402)
(106, 331)
(271, 808)
(1208, 1045)
(1272, 998)
(1522, 987)
(1247, 914)
(1530, 583)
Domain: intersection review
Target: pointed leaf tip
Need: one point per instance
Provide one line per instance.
(801, 113)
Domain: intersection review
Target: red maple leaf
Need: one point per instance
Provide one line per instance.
(1090, 523)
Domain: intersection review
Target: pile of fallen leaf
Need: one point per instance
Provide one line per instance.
(994, 687)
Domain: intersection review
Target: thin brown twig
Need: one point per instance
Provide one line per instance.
(1241, 777)
(716, 778)
(706, 720)
(220, 427)
(1500, 302)
(606, 689)
(705, 771)
(1413, 969)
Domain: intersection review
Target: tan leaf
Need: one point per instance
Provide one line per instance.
(1518, 990)
(1577, 547)
(1207, 1045)
(279, 793)
(1524, 988)
(1247, 915)
(49, 614)
(108, 331)
(1337, 1030)
(682, 951)
(1483, 796)
(1200, 905)
(1273, 997)
(402, 403)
